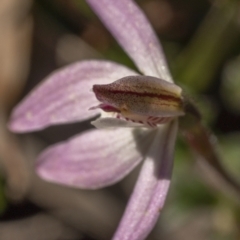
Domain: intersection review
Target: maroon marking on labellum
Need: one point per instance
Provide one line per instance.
(151, 124)
(108, 108)
(144, 94)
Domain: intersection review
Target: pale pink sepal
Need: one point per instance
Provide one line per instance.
(65, 96)
(150, 192)
(96, 158)
(127, 23)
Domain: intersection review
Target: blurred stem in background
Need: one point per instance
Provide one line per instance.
(217, 36)
(204, 145)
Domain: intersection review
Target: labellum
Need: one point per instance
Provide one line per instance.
(142, 99)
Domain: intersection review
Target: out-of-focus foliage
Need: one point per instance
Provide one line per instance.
(217, 36)
(229, 149)
(3, 201)
(230, 85)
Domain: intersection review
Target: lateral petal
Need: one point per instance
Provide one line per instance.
(65, 96)
(95, 159)
(130, 27)
(151, 189)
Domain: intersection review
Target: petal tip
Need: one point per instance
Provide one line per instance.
(22, 125)
(21, 122)
(43, 172)
(16, 126)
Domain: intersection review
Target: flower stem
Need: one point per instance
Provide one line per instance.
(203, 144)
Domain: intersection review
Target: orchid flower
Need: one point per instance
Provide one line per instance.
(138, 119)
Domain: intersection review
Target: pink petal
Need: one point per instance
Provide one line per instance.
(151, 189)
(95, 159)
(134, 33)
(65, 96)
